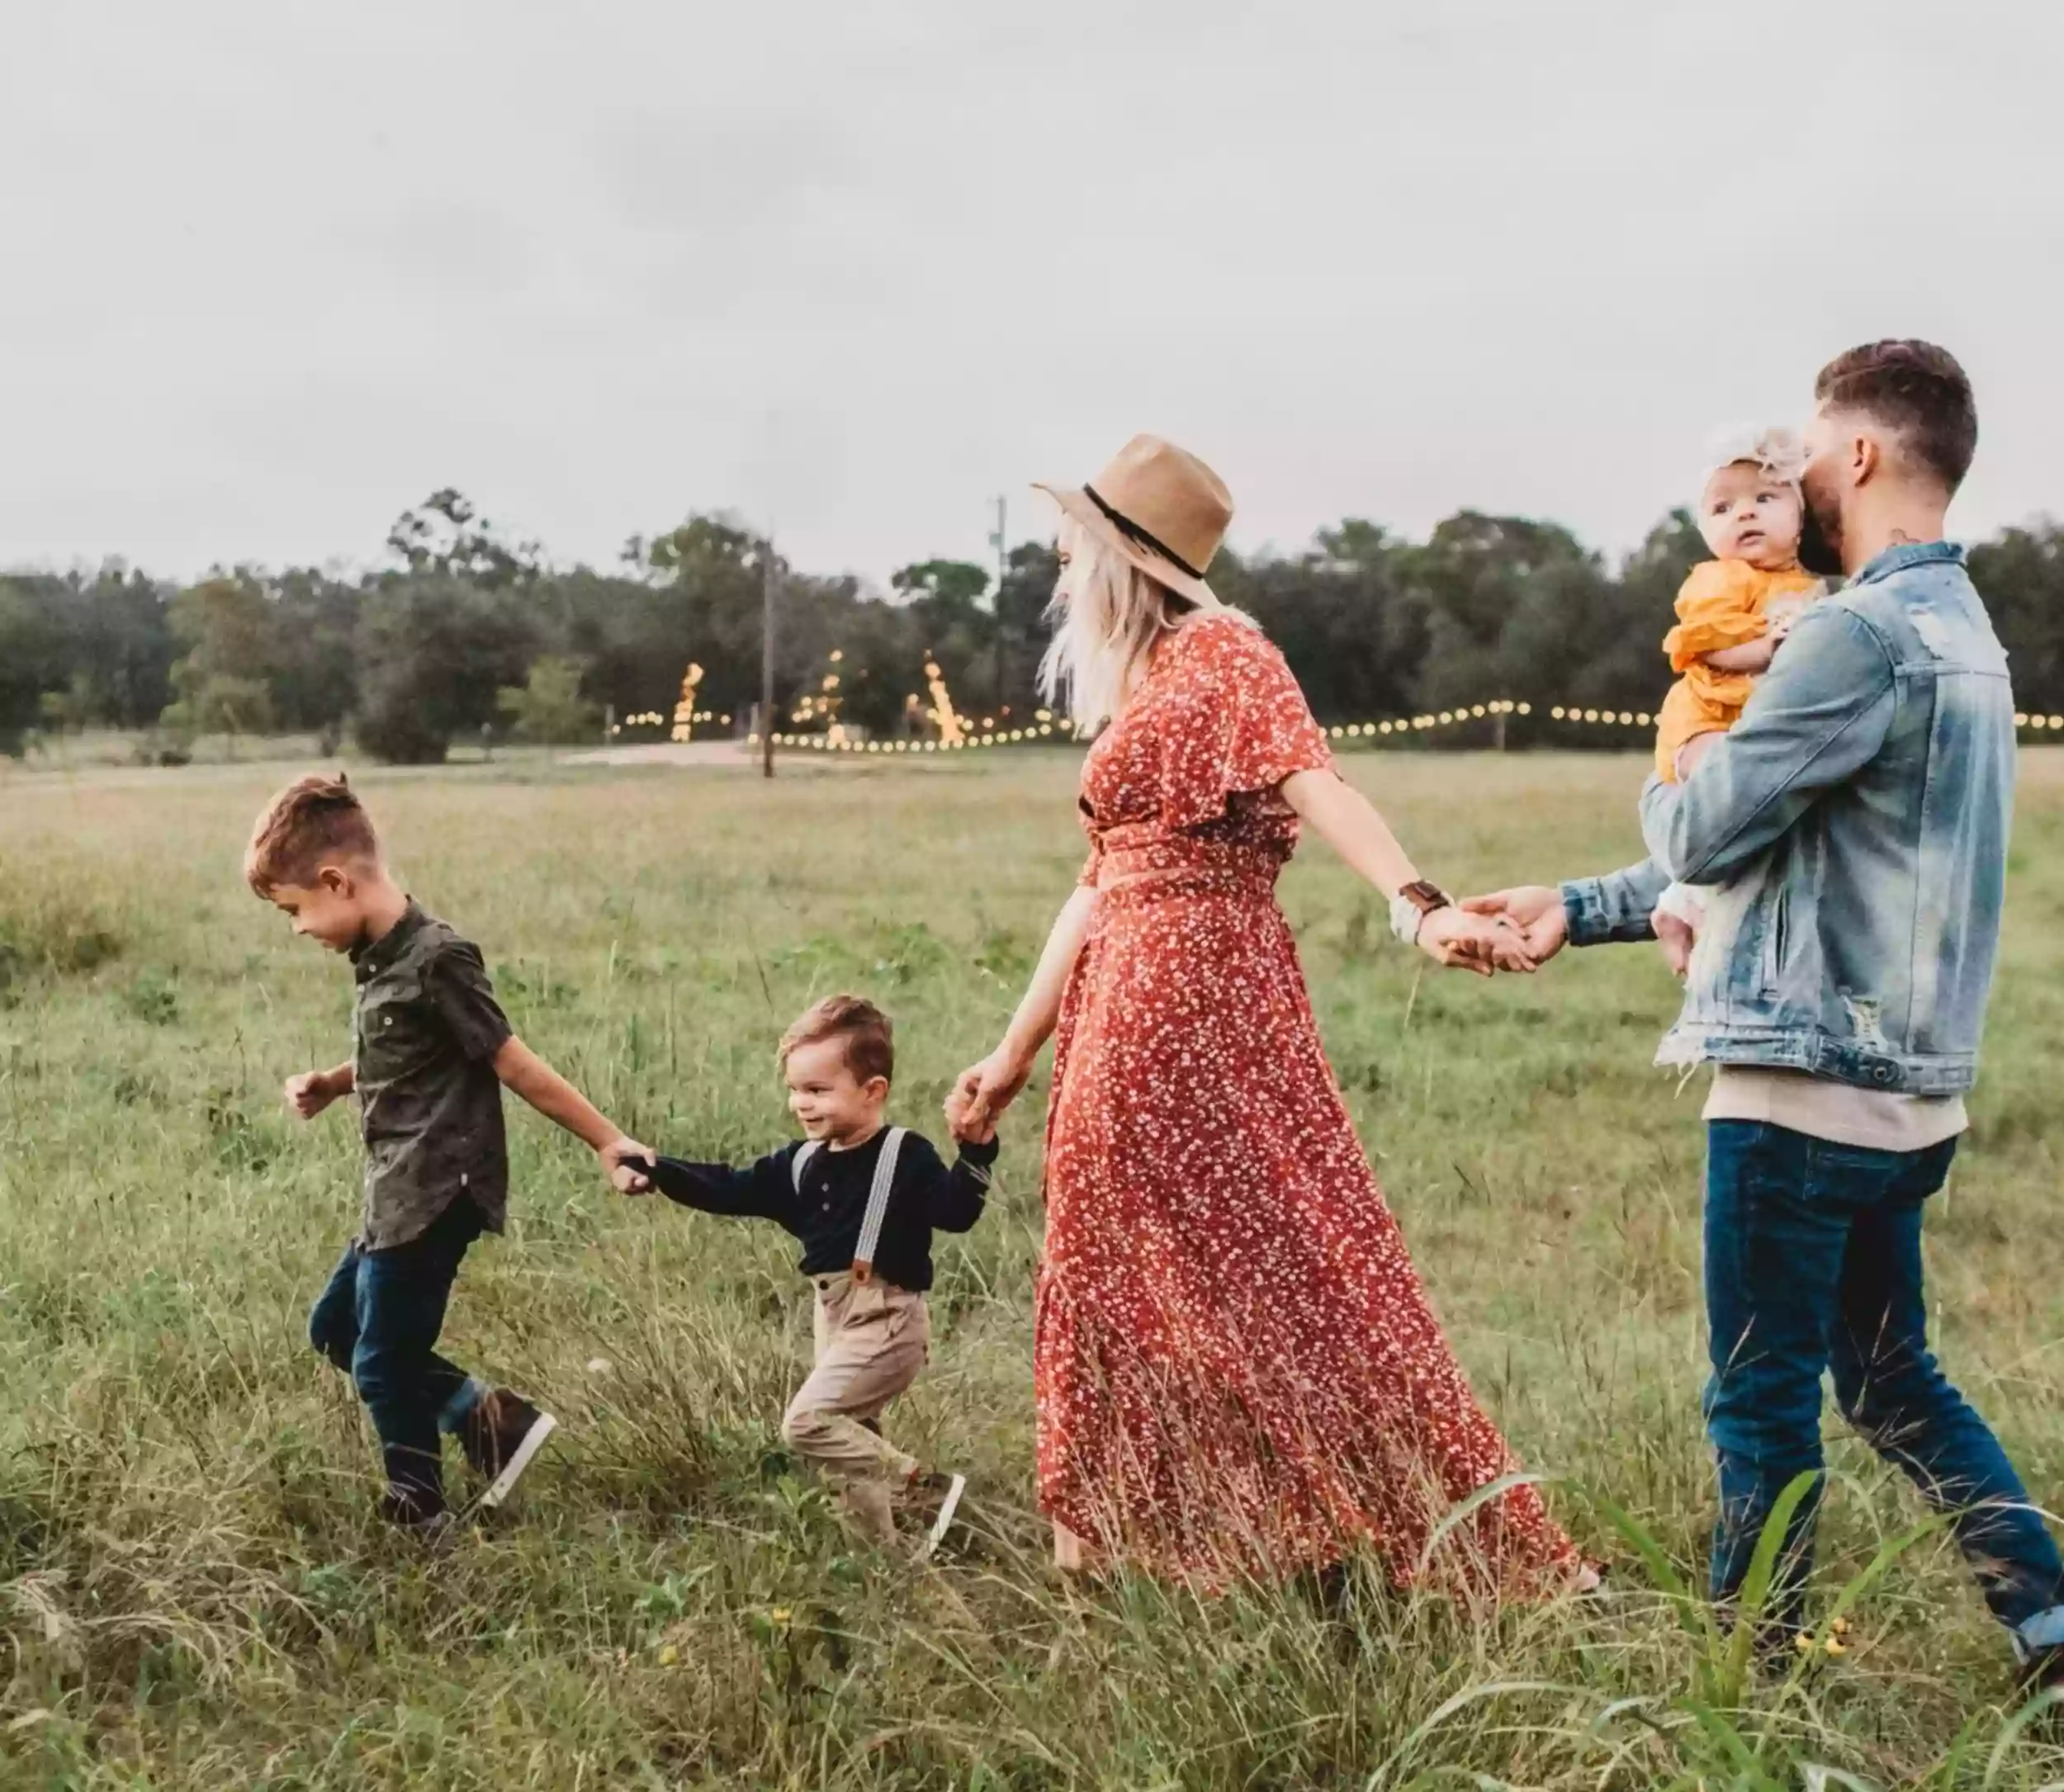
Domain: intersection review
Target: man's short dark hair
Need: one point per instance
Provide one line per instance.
(1916, 390)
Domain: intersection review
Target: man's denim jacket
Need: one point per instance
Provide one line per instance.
(1854, 824)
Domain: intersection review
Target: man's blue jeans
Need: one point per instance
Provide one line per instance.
(1813, 1263)
(379, 1320)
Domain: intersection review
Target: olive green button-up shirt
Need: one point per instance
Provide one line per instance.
(426, 1027)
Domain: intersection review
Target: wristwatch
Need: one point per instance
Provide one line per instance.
(1411, 905)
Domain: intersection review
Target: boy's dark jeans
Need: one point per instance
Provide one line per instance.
(379, 1320)
(1813, 1263)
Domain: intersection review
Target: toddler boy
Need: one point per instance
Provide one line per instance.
(864, 1198)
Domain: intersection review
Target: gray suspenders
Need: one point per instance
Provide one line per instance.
(876, 1198)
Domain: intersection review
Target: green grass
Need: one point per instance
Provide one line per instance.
(193, 1592)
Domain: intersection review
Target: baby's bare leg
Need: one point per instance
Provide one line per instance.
(1693, 750)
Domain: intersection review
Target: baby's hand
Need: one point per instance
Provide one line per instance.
(1676, 937)
(625, 1162)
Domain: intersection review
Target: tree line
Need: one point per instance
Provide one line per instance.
(465, 634)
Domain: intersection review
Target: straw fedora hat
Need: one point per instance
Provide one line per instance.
(1162, 507)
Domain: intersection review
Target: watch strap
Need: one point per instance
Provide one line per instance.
(1412, 904)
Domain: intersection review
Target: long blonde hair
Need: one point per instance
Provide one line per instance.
(1107, 615)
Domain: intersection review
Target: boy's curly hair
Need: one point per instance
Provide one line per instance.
(870, 1040)
(312, 820)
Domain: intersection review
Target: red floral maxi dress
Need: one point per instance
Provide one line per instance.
(1237, 1370)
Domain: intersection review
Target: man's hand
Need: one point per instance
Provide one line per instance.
(309, 1093)
(625, 1162)
(1476, 943)
(1536, 909)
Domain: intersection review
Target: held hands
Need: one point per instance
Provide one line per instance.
(1467, 941)
(982, 1091)
(973, 1132)
(625, 1163)
(1535, 911)
(309, 1093)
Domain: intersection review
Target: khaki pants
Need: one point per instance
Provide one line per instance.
(871, 1340)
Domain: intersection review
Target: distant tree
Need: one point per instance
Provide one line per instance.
(117, 629)
(548, 708)
(220, 704)
(1626, 670)
(447, 537)
(230, 630)
(2019, 572)
(1020, 603)
(953, 586)
(70, 711)
(24, 649)
(943, 599)
(433, 654)
(704, 582)
(881, 665)
(1512, 607)
(316, 686)
(1345, 615)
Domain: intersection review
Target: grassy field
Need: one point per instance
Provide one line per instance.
(193, 1592)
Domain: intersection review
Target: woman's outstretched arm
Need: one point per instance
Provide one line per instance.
(1348, 822)
(983, 1090)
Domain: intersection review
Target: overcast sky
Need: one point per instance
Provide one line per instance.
(274, 271)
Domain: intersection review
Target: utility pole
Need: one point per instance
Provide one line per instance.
(767, 583)
(996, 541)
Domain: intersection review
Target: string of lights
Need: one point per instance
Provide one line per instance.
(653, 718)
(1046, 726)
(959, 733)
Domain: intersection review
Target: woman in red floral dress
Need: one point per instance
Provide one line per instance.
(1237, 1371)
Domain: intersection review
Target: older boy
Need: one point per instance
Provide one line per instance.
(432, 1051)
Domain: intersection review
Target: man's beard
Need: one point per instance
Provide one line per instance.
(1820, 541)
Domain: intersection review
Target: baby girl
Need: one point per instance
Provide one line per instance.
(1732, 614)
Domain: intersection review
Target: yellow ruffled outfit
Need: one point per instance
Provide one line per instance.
(1724, 603)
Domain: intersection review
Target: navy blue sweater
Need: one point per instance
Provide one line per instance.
(826, 1215)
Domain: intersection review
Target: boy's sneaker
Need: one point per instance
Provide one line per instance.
(413, 1512)
(500, 1437)
(930, 1500)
